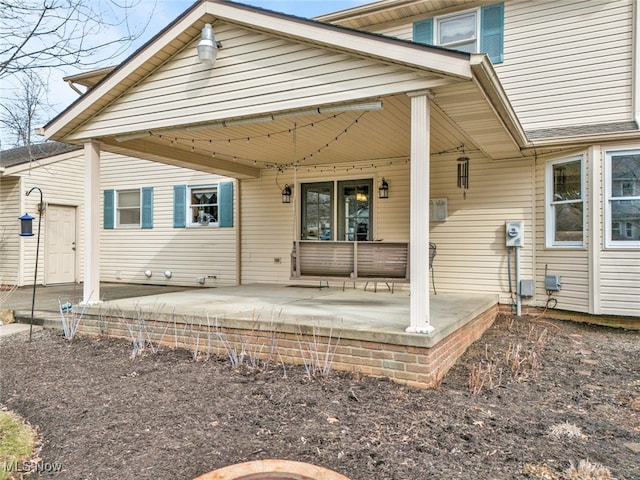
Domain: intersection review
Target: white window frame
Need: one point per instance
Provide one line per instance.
(550, 202)
(609, 242)
(436, 28)
(118, 208)
(190, 206)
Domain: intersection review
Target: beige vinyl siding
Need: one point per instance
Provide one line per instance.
(565, 63)
(568, 63)
(620, 282)
(9, 230)
(472, 256)
(254, 73)
(62, 183)
(571, 263)
(188, 253)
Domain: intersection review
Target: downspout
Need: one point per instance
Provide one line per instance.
(635, 66)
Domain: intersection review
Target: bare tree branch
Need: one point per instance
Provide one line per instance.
(40, 35)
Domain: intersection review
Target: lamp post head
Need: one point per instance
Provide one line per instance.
(26, 225)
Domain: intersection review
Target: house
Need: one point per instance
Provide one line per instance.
(388, 123)
(140, 197)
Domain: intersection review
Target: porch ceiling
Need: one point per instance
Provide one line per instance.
(377, 136)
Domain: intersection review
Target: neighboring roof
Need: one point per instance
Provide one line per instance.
(583, 130)
(89, 79)
(37, 151)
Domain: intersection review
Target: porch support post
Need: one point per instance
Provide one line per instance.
(419, 216)
(91, 288)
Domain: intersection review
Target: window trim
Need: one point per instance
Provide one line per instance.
(462, 13)
(607, 221)
(117, 208)
(550, 220)
(189, 205)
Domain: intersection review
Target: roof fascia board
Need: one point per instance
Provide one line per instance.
(586, 140)
(380, 47)
(487, 78)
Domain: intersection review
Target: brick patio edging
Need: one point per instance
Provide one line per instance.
(416, 366)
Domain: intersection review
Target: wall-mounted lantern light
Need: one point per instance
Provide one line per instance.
(286, 194)
(383, 190)
(26, 225)
(207, 46)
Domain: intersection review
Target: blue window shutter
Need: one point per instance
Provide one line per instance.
(179, 206)
(108, 209)
(147, 207)
(423, 31)
(225, 204)
(492, 31)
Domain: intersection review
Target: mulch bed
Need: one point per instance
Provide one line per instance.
(550, 393)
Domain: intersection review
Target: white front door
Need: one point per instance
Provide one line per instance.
(61, 244)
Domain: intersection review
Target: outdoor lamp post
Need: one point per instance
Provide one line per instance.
(26, 230)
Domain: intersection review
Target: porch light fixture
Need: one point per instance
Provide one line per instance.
(208, 46)
(286, 194)
(383, 190)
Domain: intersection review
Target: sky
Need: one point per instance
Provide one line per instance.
(163, 13)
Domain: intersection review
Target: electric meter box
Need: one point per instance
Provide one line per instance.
(514, 233)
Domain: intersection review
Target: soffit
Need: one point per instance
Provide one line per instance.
(395, 11)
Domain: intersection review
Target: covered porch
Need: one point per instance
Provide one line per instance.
(362, 330)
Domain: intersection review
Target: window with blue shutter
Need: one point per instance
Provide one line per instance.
(458, 31)
(179, 206)
(225, 204)
(147, 207)
(109, 209)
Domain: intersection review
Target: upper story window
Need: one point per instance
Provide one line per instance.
(129, 208)
(477, 30)
(203, 205)
(565, 205)
(622, 189)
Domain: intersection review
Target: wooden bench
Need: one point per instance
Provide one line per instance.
(350, 261)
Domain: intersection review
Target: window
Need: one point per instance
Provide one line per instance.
(622, 209)
(337, 210)
(565, 206)
(128, 208)
(203, 206)
(200, 205)
(473, 31)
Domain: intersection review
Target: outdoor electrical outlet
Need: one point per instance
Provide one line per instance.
(212, 277)
(277, 260)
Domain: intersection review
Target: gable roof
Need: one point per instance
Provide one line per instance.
(271, 64)
(37, 151)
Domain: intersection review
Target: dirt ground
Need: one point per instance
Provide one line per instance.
(548, 394)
